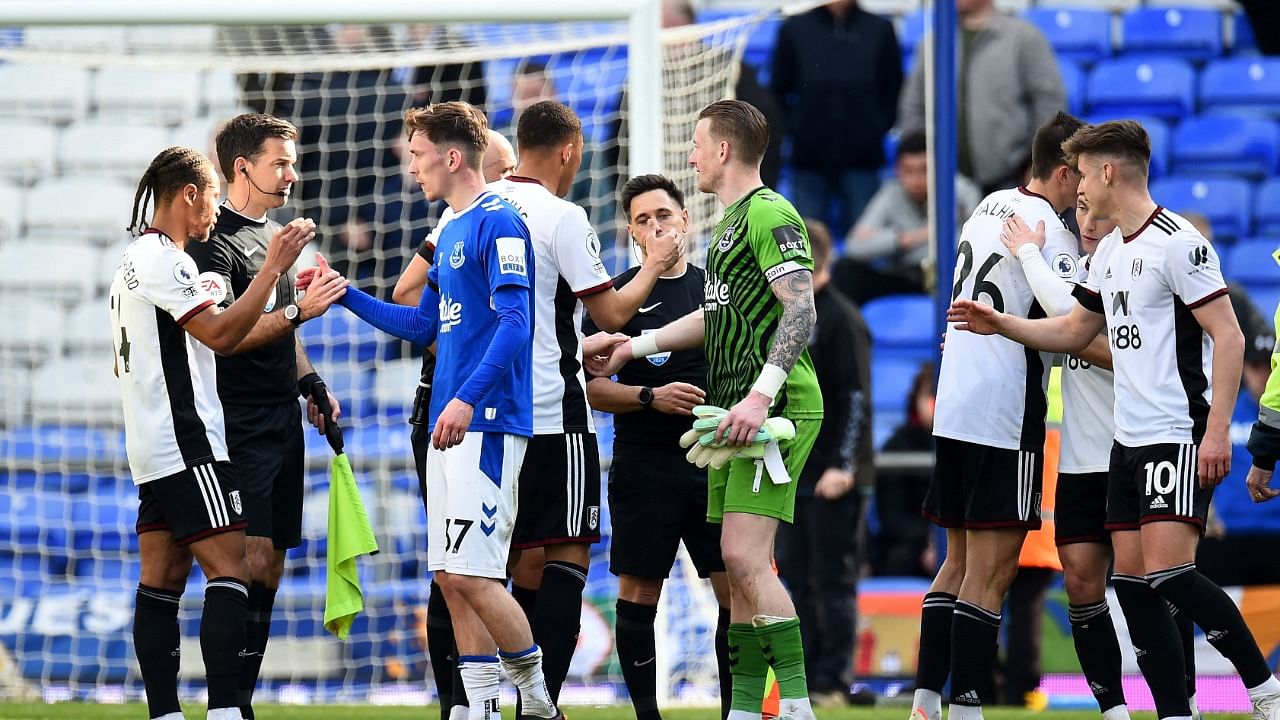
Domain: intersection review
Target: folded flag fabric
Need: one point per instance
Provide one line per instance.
(350, 536)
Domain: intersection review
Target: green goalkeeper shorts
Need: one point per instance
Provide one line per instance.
(733, 488)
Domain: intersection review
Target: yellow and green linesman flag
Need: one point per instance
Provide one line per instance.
(350, 535)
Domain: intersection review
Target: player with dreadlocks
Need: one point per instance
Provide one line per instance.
(166, 329)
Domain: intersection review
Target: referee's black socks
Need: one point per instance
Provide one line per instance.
(156, 641)
(558, 619)
(262, 600)
(223, 629)
(1155, 642)
(441, 650)
(1215, 613)
(637, 650)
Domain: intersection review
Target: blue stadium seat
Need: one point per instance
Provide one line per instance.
(74, 445)
(107, 571)
(1244, 41)
(1191, 33)
(1073, 79)
(1164, 87)
(1266, 297)
(1227, 202)
(1157, 129)
(339, 336)
(1248, 262)
(1079, 34)
(1226, 144)
(891, 380)
(1241, 84)
(900, 321)
(104, 522)
(591, 82)
(1266, 214)
(910, 35)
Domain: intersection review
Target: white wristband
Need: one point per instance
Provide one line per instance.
(771, 380)
(644, 345)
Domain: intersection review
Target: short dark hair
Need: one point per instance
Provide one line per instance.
(819, 242)
(170, 171)
(455, 123)
(1046, 148)
(742, 125)
(243, 136)
(547, 124)
(1121, 139)
(913, 143)
(642, 184)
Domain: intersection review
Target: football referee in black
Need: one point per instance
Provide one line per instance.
(656, 498)
(260, 383)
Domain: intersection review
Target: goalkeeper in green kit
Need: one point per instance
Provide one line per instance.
(757, 314)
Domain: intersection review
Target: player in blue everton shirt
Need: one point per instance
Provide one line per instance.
(476, 308)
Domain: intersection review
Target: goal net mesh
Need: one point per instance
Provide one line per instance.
(83, 110)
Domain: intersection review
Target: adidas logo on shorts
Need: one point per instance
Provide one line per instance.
(1159, 504)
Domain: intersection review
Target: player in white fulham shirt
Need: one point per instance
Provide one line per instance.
(559, 503)
(166, 328)
(989, 429)
(1080, 509)
(1156, 286)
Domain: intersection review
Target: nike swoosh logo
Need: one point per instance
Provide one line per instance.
(248, 252)
(647, 309)
(637, 663)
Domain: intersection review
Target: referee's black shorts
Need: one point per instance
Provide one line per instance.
(266, 447)
(656, 499)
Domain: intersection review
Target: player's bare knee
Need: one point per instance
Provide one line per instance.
(577, 553)
(642, 591)
(1083, 583)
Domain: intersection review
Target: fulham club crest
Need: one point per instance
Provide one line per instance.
(235, 502)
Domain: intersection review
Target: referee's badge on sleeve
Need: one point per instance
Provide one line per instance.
(214, 284)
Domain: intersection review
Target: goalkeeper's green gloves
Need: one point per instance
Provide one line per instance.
(704, 450)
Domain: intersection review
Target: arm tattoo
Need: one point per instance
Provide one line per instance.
(795, 291)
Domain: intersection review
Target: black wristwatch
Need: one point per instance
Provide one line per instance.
(646, 397)
(293, 314)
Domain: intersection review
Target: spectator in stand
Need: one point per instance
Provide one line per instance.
(904, 545)
(837, 71)
(888, 250)
(820, 552)
(1009, 84)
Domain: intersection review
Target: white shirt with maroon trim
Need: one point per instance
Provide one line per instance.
(168, 379)
(567, 267)
(1147, 284)
(990, 388)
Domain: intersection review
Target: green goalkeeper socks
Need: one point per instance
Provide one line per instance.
(784, 651)
(748, 667)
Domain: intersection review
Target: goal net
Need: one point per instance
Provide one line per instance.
(82, 112)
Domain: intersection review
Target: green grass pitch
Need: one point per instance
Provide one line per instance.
(78, 711)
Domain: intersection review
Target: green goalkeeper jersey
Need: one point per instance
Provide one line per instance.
(760, 238)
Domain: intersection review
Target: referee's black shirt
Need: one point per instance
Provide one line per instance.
(670, 300)
(267, 374)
